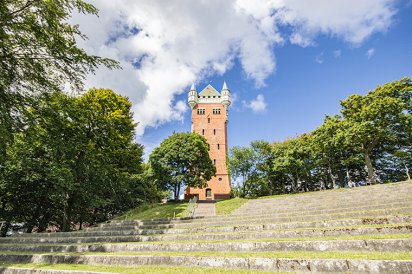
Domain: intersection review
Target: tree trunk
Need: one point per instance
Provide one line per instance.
(371, 176)
(66, 214)
(4, 228)
(178, 192)
(407, 171)
(332, 177)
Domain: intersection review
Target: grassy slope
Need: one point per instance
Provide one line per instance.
(126, 269)
(228, 206)
(345, 255)
(155, 211)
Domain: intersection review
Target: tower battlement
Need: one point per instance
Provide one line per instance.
(209, 95)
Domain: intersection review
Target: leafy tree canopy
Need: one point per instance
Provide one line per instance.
(182, 159)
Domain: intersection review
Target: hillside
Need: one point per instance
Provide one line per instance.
(361, 230)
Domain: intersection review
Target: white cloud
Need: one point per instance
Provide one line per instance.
(164, 47)
(370, 52)
(319, 58)
(256, 105)
(337, 53)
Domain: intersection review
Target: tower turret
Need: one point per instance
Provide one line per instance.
(192, 98)
(225, 95)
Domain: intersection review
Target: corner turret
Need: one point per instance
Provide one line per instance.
(192, 98)
(225, 95)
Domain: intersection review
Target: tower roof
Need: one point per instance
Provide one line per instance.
(224, 86)
(209, 91)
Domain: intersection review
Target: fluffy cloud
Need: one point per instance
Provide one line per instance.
(165, 46)
(370, 52)
(256, 105)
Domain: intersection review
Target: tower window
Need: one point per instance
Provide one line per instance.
(208, 120)
(218, 146)
(203, 132)
(216, 111)
(214, 161)
(201, 111)
(214, 132)
(220, 179)
(208, 146)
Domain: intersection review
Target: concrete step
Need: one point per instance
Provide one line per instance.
(263, 218)
(20, 270)
(205, 209)
(266, 212)
(372, 245)
(321, 209)
(264, 234)
(250, 263)
(232, 228)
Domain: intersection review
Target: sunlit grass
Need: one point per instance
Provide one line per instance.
(155, 211)
(228, 206)
(127, 269)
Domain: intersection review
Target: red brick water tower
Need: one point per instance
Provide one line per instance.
(210, 118)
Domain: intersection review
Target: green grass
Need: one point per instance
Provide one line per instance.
(155, 211)
(327, 190)
(269, 240)
(127, 269)
(232, 232)
(228, 206)
(266, 254)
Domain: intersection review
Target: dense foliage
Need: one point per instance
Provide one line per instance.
(39, 54)
(74, 162)
(370, 142)
(64, 160)
(182, 159)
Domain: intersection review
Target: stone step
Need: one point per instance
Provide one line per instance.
(327, 208)
(373, 245)
(232, 228)
(251, 263)
(246, 235)
(20, 270)
(265, 219)
(268, 211)
(335, 201)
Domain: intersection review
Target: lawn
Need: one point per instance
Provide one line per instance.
(228, 206)
(156, 211)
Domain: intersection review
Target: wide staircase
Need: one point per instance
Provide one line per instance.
(360, 230)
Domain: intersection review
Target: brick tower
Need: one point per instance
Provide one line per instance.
(209, 118)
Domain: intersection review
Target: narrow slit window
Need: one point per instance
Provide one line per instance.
(208, 120)
(203, 132)
(218, 146)
(214, 161)
(214, 132)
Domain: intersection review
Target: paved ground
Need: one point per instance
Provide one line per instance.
(205, 210)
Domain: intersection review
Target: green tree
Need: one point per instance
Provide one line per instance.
(75, 161)
(242, 165)
(182, 159)
(39, 53)
(377, 119)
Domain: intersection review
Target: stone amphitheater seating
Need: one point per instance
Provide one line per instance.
(273, 234)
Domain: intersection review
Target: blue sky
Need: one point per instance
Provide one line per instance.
(299, 60)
